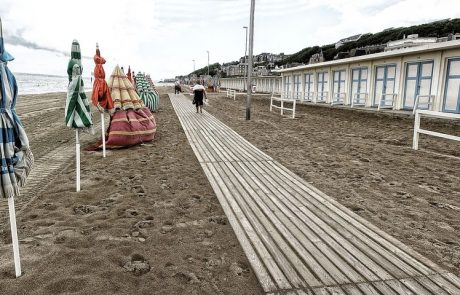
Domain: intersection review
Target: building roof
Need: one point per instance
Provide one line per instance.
(351, 38)
(455, 44)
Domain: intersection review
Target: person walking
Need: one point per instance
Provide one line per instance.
(177, 88)
(199, 93)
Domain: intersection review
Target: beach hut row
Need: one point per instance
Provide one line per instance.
(422, 77)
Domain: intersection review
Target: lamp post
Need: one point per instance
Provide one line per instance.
(245, 56)
(193, 65)
(208, 61)
(251, 43)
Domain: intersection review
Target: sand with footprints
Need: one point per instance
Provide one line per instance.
(147, 221)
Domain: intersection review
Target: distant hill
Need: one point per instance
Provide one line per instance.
(434, 29)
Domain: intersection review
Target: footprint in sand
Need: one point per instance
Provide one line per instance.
(88, 209)
(239, 269)
(430, 188)
(137, 265)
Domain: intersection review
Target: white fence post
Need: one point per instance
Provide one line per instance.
(416, 129)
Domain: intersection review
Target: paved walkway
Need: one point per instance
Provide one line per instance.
(297, 239)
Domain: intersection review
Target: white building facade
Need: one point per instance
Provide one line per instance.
(428, 74)
(264, 84)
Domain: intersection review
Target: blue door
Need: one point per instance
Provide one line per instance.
(384, 82)
(418, 82)
(287, 87)
(451, 101)
(297, 87)
(322, 79)
(339, 86)
(308, 87)
(359, 85)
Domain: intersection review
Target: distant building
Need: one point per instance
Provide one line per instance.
(410, 41)
(316, 58)
(347, 40)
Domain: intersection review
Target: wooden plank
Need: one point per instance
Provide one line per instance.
(308, 256)
(418, 263)
(431, 286)
(415, 286)
(399, 287)
(384, 288)
(445, 284)
(333, 239)
(310, 212)
(237, 147)
(241, 143)
(336, 291)
(368, 289)
(452, 278)
(275, 244)
(301, 292)
(352, 290)
(210, 147)
(298, 235)
(276, 273)
(218, 141)
(321, 291)
(258, 267)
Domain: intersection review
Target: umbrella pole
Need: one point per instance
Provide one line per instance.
(14, 237)
(103, 135)
(77, 148)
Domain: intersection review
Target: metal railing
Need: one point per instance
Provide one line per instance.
(383, 103)
(428, 103)
(356, 100)
(338, 98)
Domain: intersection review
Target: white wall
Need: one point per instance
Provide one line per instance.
(439, 59)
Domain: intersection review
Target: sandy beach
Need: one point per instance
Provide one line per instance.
(148, 222)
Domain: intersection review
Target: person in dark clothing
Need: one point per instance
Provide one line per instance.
(199, 93)
(177, 88)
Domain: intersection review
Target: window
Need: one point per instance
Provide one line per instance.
(359, 85)
(322, 86)
(451, 102)
(308, 87)
(297, 87)
(339, 86)
(287, 86)
(384, 84)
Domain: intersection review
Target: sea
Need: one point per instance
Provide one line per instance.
(37, 83)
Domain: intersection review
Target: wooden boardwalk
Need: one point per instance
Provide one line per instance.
(297, 239)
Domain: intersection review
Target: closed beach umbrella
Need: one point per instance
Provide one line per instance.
(150, 98)
(77, 111)
(130, 78)
(17, 159)
(101, 94)
(132, 123)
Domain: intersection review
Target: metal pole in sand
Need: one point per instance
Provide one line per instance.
(251, 45)
(103, 135)
(77, 150)
(14, 237)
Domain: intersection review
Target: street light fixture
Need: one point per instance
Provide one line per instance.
(208, 61)
(245, 56)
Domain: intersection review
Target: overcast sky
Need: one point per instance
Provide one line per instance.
(162, 37)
